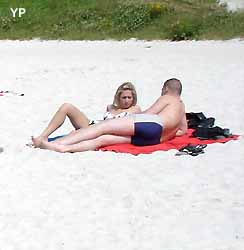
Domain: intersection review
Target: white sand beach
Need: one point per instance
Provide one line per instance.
(110, 201)
(233, 5)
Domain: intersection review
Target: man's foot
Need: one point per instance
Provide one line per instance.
(36, 141)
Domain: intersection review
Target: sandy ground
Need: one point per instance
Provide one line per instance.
(108, 201)
(233, 4)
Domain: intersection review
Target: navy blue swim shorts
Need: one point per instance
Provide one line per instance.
(148, 130)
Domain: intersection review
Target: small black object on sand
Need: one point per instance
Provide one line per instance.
(192, 149)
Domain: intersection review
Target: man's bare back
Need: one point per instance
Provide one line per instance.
(174, 119)
(172, 111)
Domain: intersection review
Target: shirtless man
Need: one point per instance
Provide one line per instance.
(162, 121)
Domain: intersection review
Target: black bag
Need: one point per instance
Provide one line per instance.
(195, 120)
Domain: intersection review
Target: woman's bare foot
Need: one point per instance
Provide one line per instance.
(36, 141)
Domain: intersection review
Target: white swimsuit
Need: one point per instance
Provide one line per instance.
(108, 115)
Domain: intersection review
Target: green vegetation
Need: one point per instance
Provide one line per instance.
(117, 19)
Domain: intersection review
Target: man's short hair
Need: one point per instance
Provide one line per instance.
(174, 85)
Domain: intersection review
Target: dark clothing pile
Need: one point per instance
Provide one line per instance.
(204, 127)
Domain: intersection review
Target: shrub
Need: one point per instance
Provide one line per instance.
(130, 17)
(156, 9)
(59, 28)
(5, 23)
(184, 30)
(85, 16)
(90, 19)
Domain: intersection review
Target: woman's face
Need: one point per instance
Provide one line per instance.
(126, 99)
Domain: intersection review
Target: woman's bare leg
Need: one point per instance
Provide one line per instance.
(76, 117)
(93, 144)
(120, 126)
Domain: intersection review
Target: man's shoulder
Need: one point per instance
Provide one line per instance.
(169, 98)
(172, 100)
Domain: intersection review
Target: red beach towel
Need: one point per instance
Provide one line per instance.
(175, 143)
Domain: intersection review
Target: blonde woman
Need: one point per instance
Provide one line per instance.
(125, 102)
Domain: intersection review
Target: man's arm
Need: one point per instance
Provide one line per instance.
(134, 109)
(158, 106)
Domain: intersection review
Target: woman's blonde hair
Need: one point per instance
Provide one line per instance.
(125, 86)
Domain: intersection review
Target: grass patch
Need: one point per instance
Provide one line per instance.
(115, 19)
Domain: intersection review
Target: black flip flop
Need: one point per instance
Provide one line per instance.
(192, 149)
